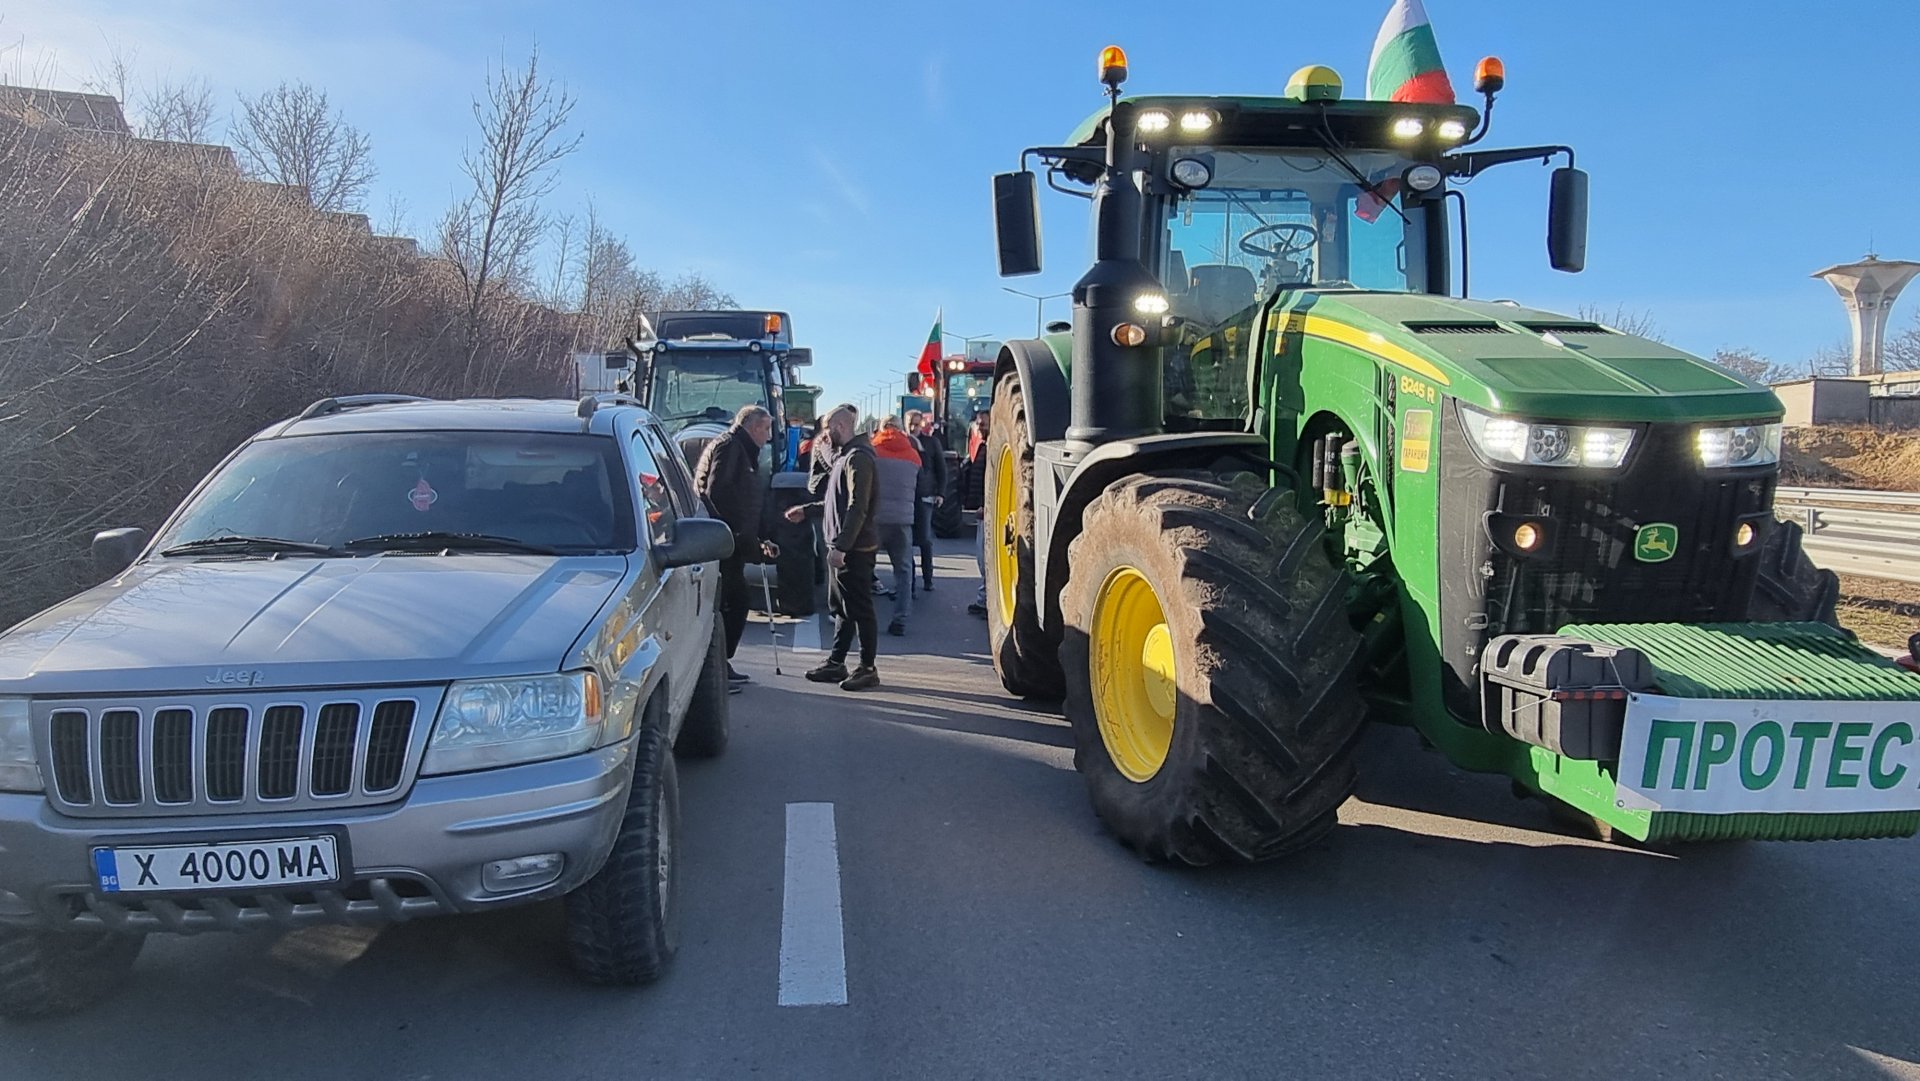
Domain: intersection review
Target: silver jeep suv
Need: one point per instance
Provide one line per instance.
(393, 658)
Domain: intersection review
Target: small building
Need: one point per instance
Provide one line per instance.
(1887, 400)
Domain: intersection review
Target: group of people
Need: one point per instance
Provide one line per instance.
(869, 493)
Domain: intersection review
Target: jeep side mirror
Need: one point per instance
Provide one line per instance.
(1016, 223)
(1567, 220)
(114, 550)
(695, 540)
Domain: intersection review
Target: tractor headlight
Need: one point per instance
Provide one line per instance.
(1520, 442)
(1196, 121)
(1741, 445)
(1452, 130)
(1409, 127)
(503, 722)
(1151, 304)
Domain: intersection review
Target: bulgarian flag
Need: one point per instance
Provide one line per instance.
(1406, 60)
(930, 353)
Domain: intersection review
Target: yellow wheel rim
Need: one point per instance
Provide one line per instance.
(1132, 671)
(1004, 545)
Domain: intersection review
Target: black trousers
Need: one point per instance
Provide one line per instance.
(734, 600)
(923, 536)
(850, 599)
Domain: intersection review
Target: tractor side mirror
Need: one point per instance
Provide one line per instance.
(1016, 223)
(1567, 220)
(913, 382)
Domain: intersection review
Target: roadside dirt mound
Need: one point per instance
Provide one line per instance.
(1832, 457)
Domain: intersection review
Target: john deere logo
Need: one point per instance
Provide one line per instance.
(1656, 542)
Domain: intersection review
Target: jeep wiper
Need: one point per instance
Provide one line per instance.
(439, 541)
(244, 545)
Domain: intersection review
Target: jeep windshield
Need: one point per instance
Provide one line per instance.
(695, 385)
(365, 492)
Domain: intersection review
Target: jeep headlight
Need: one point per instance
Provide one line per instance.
(501, 722)
(1744, 444)
(1521, 442)
(19, 767)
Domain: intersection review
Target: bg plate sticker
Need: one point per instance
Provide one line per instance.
(1416, 442)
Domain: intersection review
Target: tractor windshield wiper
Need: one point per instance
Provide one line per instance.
(437, 541)
(247, 545)
(1333, 147)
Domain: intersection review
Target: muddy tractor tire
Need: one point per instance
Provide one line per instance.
(1211, 669)
(949, 517)
(50, 973)
(1025, 656)
(1790, 589)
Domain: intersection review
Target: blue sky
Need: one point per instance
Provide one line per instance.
(833, 160)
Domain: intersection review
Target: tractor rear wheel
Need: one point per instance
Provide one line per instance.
(1025, 656)
(1790, 589)
(1210, 667)
(949, 518)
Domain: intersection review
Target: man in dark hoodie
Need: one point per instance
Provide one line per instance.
(846, 506)
(729, 479)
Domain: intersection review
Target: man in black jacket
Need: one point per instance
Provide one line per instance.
(932, 489)
(729, 479)
(846, 504)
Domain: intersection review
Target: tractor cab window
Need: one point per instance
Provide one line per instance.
(695, 385)
(1270, 221)
(968, 395)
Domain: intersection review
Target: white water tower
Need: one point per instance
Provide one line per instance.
(1868, 288)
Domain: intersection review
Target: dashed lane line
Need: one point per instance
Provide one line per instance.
(813, 957)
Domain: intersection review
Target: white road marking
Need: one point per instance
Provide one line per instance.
(805, 634)
(813, 955)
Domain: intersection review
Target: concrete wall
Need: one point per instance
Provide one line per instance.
(1825, 401)
(1894, 412)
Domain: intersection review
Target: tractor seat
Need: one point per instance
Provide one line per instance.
(1220, 290)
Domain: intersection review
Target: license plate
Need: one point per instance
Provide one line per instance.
(1720, 756)
(303, 861)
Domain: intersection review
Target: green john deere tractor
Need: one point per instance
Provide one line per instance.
(1281, 478)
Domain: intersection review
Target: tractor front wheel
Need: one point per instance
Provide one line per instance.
(1025, 656)
(1790, 589)
(1210, 669)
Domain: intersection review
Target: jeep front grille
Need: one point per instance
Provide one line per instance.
(192, 756)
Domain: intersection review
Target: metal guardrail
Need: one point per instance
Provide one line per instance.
(1881, 544)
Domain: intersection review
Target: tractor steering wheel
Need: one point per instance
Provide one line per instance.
(1291, 238)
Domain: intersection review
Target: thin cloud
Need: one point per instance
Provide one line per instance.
(849, 192)
(933, 81)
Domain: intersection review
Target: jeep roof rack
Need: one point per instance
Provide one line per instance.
(328, 406)
(591, 403)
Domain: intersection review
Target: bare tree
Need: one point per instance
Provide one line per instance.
(489, 234)
(1625, 320)
(394, 221)
(291, 135)
(1831, 360)
(1902, 352)
(179, 112)
(1746, 362)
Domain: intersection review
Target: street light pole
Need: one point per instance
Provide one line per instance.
(1039, 307)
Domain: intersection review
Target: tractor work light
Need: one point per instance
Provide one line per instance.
(1194, 173)
(1151, 304)
(1519, 442)
(956, 365)
(1424, 177)
(1743, 445)
(1452, 130)
(1129, 335)
(1409, 127)
(1196, 122)
(1154, 121)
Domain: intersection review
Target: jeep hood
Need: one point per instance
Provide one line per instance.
(177, 625)
(1507, 358)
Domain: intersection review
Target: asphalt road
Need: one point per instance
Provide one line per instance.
(992, 930)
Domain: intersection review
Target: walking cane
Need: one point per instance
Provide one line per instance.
(772, 628)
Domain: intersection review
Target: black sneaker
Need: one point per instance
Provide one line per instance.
(862, 678)
(737, 677)
(975, 608)
(898, 627)
(736, 688)
(927, 586)
(830, 672)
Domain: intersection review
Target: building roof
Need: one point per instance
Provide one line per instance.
(68, 108)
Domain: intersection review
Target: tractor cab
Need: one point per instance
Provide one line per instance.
(698, 368)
